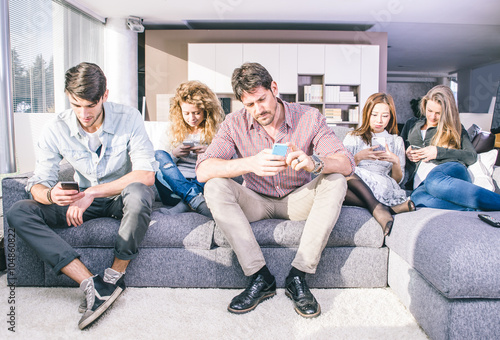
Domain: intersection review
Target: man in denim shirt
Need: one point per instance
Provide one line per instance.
(113, 158)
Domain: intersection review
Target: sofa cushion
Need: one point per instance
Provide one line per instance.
(355, 227)
(454, 251)
(187, 230)
(341, 131)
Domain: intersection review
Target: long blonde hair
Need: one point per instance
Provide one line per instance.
(198, 94)
(364, 131)
(449, 128)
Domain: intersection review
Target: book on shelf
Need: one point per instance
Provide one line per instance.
(313, 93)
(354, 115)
(333, 115)
(332, 93)
(347, 97)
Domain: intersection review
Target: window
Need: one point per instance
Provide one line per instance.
(454, 88)
(47, 38)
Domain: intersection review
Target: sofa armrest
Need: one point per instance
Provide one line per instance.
(14, 187)
(13, 190)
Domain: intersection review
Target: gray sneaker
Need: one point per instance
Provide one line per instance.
(110, 276)
(100, 296)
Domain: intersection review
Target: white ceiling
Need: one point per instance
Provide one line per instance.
(425, 36)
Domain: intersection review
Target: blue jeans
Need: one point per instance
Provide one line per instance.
(170, 182)
(448, 186)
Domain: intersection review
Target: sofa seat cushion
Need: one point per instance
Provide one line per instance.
(187, 230)
(454, 251)
(355, 227)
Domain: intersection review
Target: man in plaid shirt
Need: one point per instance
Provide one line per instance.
(274, 186)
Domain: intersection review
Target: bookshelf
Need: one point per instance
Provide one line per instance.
(305, 73)
(339, 103)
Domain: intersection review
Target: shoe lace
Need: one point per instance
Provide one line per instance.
(301, 286)
(90, 292)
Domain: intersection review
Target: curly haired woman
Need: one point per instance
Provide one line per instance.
(195, 115)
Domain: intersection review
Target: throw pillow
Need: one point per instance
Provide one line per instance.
(482, 170)
(473, 131)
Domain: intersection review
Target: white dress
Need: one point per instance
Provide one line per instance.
(375, 173)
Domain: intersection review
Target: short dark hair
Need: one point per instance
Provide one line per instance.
(86, 81)
(248, 77)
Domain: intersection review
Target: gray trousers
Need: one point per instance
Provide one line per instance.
(33, 222)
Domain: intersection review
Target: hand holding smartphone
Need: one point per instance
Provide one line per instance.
(379, 142)
(70, 186)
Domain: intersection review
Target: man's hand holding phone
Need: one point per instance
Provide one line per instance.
(269, 162)
(65, 193)
(298, 159)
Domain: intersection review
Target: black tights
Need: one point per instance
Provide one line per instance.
(360, 195)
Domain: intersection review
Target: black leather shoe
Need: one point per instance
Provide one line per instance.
(257, 291)
(305, 303)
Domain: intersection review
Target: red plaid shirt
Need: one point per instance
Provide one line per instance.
(303, 126)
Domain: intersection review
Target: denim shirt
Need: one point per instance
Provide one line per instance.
(125, 147)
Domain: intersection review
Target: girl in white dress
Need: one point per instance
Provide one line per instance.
(379, 154)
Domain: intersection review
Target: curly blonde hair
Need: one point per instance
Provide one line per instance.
(198, 94)
(449, 128)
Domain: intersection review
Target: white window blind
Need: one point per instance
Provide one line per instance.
(47, 38)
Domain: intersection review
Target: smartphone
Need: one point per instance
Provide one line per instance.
(70, 186)
(414, 147)
(188, 143)
(279, 149)
(379, 142)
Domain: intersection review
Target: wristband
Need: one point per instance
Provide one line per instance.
(49, 198)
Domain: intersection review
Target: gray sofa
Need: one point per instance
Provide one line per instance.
(443, 265)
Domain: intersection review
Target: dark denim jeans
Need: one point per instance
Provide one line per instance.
(448, 186)
(34, 222)
(169, 181)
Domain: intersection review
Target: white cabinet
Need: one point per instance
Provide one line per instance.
(268, 55)
(227, 58)
(351, 71)
(201, 63)
(369, 71)
(343, 64)
(287, 82)
(311, 59)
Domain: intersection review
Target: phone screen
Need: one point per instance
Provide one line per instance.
(70, 186)
(379, 142)
(279, 149)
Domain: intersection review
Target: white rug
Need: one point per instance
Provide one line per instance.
(169, 313)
